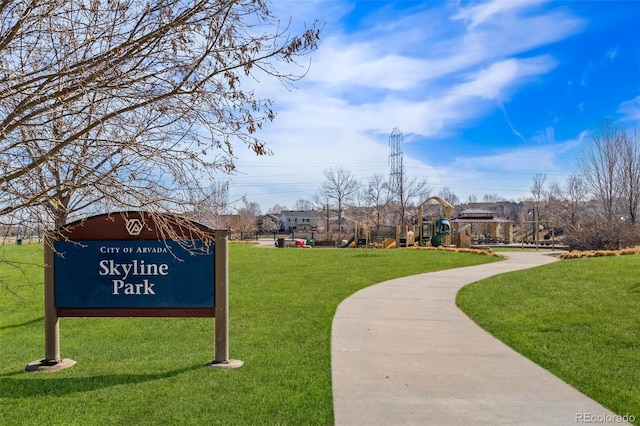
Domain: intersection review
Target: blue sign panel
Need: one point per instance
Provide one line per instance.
(133, 274)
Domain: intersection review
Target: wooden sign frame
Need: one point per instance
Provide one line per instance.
(141, 227)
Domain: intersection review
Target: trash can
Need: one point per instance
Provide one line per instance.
(280, 242)
(19, 241)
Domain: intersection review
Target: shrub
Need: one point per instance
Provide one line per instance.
(575, 254)
(597, 233)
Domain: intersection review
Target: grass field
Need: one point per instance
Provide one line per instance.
(150, 371)
(579, 319)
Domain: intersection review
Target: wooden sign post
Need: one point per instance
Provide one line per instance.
(117, 265)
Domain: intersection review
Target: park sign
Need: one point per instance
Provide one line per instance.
(142, 276)
(116, 265)
(135, 264)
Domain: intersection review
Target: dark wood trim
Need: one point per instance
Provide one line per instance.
(137, 312)
(112, 226)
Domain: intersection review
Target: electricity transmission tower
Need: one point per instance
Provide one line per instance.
(395, 161)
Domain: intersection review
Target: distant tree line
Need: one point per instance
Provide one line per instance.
(595, 208)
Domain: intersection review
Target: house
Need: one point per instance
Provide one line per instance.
(268, 223)
(300, 220)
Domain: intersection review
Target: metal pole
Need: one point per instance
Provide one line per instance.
(328, 235)
(221, 297)
(419, 220)
(51, 323)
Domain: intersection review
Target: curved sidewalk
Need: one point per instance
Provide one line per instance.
(404, 354)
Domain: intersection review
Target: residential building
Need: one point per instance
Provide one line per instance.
(300, 220)
(268, 223)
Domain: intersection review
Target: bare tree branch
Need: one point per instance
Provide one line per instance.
(131, 104)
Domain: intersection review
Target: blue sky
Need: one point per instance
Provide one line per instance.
(486, 94)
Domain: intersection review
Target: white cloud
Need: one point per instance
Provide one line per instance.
(509, 172)
(427, 72)
(489, 11)
(523, 160)
(360, 65)
(630, 111)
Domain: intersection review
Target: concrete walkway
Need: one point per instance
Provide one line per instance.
(404, 354)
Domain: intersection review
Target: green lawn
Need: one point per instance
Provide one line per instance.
(579, 319)
(150, 371)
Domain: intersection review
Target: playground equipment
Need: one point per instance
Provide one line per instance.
(463, 237)
(537, 226)
(404, 237)
(348, 243)
(389, 243)
(441, 231)
(360, 238)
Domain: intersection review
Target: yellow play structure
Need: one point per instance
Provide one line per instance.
(440, 230)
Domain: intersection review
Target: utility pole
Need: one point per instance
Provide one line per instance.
(328, 231)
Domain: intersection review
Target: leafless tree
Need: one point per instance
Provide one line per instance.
(340, 186)
(214, 202)
(538, 192)
(410, 190)
(610, 169)
(302, 205)
(629, 173)
(248, 214)
(571, 198)
(132, 104)
(376, 197)
(449, 196)
(492, 198)
(403, 191)
(320, 203)
(276, 209)
(598, 167)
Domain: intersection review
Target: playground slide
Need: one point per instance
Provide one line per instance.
(443, 228)
(348, 243)
(436, 240)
